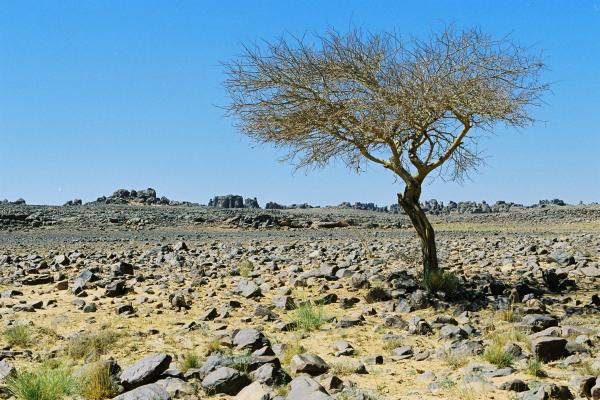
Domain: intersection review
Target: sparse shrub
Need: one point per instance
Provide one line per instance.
(464, 392)
(534, 367)
(91, 344)
(96, 383)
(446, 382)
(308, 317)
(343, 367)
(245, 268)
(18, 335)
(440, 281)
(509, 315)
(454, 360)
(215, 345)
(280, 390)
(290, 351)
(392, 343)
(241, 363)
(382, 388)
(504, 336)
(497, 355)
(588, 369)
(190, 360)
(44, 383)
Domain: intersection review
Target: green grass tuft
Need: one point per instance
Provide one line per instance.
(42, 384)
(497, 355)
(241, 363)
(535, 367)
(190, 360)
(18, 335)
(440, 281)
(308, 317)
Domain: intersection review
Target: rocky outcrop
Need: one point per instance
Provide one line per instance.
(139, 197)
(18, 202)
(251, 203)
(228, 201)
(233, 201)
(364, 206)
(74, 202)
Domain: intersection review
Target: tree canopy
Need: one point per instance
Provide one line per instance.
(411, 105)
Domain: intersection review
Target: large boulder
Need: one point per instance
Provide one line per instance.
(225, 380)
(305, 388)
(146, 370)
(254, 391)
(309, 364)
(250, 339)
(549, 348)
(539, 322)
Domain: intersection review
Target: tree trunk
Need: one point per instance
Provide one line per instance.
(409, 201)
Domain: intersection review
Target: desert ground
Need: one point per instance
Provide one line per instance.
(194, 302)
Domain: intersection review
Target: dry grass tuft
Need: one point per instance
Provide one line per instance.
(91, 345)
(96, 382)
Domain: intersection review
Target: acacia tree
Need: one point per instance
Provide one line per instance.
(414, 106)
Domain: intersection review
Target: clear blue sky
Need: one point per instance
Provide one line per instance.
(96, 96)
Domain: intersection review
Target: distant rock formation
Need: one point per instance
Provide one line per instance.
(251, 203)
(74, 202)
(276, 206)
(17, 202)
(142, 197)
(233, 201)
(553, 202)
(364, 206)
(228, 201)
(271, 205)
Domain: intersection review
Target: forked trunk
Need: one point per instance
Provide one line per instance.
(409, 201)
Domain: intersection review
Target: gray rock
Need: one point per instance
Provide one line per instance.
(208, 315)
(6, 369)
(419, 300)
(254, 391)
(595, 391)
(583, 385)
(284, 302)
(402, 352)
(146, 370)
(549, 348)
(247, 289)
(225, 380)
(539, 322)
(176, 387)
(115, 289)
(146, 392)
(514, 385)
(452, 332)
(250, 338)
(303, 388)
(308, 363)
